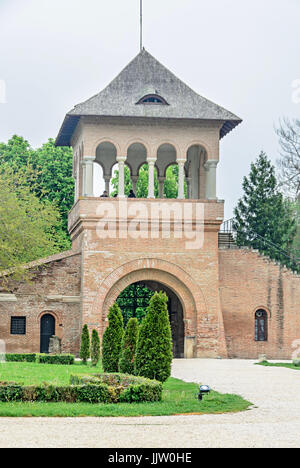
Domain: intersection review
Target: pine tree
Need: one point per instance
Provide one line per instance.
(154, 348)
(126, 363)
(95, 348)
(85, 345)
(112, 340)
(263, 219)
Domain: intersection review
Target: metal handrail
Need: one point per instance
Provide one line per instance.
(288, 259)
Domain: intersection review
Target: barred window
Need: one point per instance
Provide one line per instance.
(18, 326)
(261, 325)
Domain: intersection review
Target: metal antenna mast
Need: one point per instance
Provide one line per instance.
(141, 24)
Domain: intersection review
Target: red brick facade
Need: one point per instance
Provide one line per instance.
(220, 290)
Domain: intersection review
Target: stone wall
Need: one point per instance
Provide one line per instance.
(248, 282)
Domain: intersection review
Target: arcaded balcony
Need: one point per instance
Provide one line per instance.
(193, 172)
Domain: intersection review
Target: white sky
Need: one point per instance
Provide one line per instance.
(243, 55)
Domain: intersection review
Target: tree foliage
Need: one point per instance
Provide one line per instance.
(53, 181)
(112, 340)
(95, 348)
(170, 185)
(85, 352)
(289, 162)
(27, 223)
(262, 214)
(154, 348)
(129, 342)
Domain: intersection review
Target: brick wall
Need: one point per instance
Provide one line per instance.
(249, 282)
(55, 289)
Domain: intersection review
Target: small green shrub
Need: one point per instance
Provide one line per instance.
(296, 362)
(112, 340)
(126, 363)
(122, 387)
(85, 345)
(102, 388)
(29, 357)
(95, 348)
(154, 348)
(64, 359)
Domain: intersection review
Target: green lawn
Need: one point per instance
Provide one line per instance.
(178, 397)
(279, 364)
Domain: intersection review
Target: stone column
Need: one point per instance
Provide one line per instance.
(151, 163)
(88, 176)
(121, 160)
(211, 179)
(181, 163)
(161, 181)
(107, 182)
(134, 180)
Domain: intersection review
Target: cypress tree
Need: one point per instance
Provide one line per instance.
(262, 212)
(126, 363)
(95, 348)
(154, 348)
(112, 340)
(85, 345)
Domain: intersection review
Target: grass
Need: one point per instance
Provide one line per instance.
(178, 397)
(279, 364)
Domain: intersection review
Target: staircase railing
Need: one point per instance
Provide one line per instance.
(290, 259)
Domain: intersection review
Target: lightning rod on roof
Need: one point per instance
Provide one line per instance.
(141, 24)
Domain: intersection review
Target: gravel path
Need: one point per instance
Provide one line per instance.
(274, 423)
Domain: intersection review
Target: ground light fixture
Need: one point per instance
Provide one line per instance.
(203, 390)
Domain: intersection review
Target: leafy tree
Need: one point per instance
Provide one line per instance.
(26, 223)
(154, 348)
(112, 340)
(85, 345)
(53, 179)
(95, 348)
(126, 363)
(263, 219)
(133, 301)
(289, 162)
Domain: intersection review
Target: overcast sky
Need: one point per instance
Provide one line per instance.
(243, 55)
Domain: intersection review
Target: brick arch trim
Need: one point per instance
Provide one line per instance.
(157, 270)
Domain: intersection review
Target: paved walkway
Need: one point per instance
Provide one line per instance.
(274, 423)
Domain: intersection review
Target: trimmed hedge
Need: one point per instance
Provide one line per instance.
(64, 359)
(102, 388)
(123, 388)
(52, 393)
(20, 357)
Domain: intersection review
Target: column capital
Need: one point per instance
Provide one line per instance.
(181, 161)
(88, 159)
(121, 159)
(211, 163)
(151, 161)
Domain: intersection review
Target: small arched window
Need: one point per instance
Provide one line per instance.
(261, 325)
(152, 99)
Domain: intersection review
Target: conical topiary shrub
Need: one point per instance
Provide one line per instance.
(154, 348)
(85, 345)
(95, 348)
(112, 340)
(126, 363)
